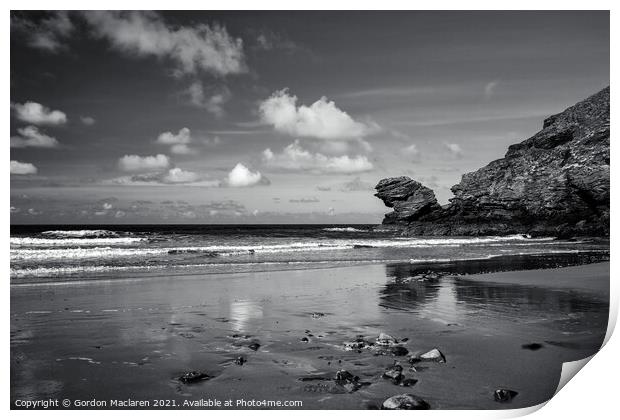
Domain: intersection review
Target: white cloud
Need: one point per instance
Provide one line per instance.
(87, 120)
(184, 136)
(107, 206)
(454, 148)
(192, 48)
(135, 163)
(489, 88)
(412, 151)
(31, 137)
(22, 168)
(241, 176)
(321, 120)
(46, 34)
(178, 142)
(212, 102)
(295, 158)
(179, 176)
(173, 176)
(35, 113)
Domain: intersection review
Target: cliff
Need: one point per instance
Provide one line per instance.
(554, 183)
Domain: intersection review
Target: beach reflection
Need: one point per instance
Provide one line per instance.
(450, 299)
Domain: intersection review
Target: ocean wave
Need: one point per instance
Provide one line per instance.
(67, 242)
(344, 229)
(85, 233)
(38, 249)
(157, 268)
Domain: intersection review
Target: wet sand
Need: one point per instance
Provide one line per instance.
(133, 339)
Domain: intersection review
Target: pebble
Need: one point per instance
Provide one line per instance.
(193, 377)
(405, 402)
(504, 395)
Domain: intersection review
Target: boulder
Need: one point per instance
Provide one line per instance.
(405, 402)
(433, 355)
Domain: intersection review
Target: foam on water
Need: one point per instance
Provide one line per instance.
(96, 253)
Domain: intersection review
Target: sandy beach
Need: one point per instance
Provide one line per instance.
(120, 340)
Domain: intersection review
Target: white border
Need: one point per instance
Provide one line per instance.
(592, 395)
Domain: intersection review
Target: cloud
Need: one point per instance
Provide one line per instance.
(212, 102)
(35, 113)
(454, 148)
(46, 34)
(174, 176)
(179, 176)
(202, 47)
(489, 88)
(295, 158)
(22, 168)
(241, 176)
(178, 142)
(87, 120)
(321, 120)
(182, 137)
(31, 137)
(135, 163)
(412, 151)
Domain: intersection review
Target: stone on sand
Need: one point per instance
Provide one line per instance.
(433, 355)
(504, 395)
(193, 377)
(405, 402)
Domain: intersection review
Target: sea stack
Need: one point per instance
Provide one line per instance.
(555, 183)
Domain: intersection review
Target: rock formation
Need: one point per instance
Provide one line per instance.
(554, 183)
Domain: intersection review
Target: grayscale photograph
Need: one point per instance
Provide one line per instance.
(309, 210)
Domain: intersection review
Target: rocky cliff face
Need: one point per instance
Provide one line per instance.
(554, 183)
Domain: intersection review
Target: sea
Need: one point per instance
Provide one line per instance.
(48, 253)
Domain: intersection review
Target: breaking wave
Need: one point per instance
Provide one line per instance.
(88, 234)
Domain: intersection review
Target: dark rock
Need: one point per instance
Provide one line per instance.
(409, 198)
(344, 382)
(504, 395)
(532, 346)
(358, 344)
(405, 402)
(344, 375)
(304, 339)
(317, 315)
(394, 373)
(193, 377)
(408, 382)
(399, 351)
(240, 360)
(556, 183)
(254, 346)
(356, 246)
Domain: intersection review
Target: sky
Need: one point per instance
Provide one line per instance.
(276, 117)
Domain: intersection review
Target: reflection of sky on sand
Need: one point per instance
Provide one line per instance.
(443, 308)
(243, 313)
